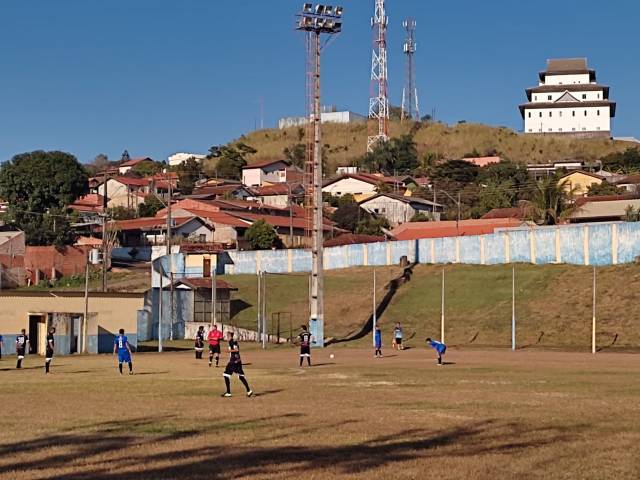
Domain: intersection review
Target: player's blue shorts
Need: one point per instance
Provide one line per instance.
(124, 356)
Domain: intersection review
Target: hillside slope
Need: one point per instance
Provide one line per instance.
(346, 143)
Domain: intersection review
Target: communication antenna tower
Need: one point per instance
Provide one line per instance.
(410, 105)
(379, 101)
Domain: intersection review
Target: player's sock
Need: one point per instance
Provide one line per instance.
(120, 368)
(47, 362)
(301, 360)
(245, 383)
(210, 359)
(309, 361)
(19, 364)
(228, 384)
(130, 367)
(217, 361)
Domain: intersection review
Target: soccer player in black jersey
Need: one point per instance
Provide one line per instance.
(234, 366)
(199, 345)
(49, 350)
(305, 345)
(22, 341)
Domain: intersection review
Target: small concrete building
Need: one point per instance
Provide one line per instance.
(399, 209)
(37, 311)
(269, 171)
(577, 183)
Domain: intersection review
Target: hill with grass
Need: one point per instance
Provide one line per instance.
(344, 144)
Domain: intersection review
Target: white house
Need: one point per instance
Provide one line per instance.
(270, 171)
(181, 157)
(359, 185)
(400, 209)
(330, 115)
(129, 165)
(568, 101)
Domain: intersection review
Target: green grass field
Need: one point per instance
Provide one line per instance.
(553, 304)
(486, 415)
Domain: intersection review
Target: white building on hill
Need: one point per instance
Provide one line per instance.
(568, 101)
(181, 157)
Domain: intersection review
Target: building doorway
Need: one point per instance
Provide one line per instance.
(37, 333)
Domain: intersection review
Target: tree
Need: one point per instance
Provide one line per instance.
(296, 154)
(370, 225)
(348, 213)
(150, 207)
(549, 203)
(458, 171)
(261, 236)
(398, 154)
(121, 213)
(623, 162)
(631, 214)
(39, 186)
(189, 173)
(604, 188)
(420, 217)
(146, 169)
(99, 164)
(231, 160)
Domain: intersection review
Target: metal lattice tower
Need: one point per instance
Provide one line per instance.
(379, 101)
(410, 105)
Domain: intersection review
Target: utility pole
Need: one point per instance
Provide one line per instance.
(86, 308)
(375, 313)
(169, 257)
(593, 315)
(513, 309)
(315, 21)
(105, 255)
(442, 311)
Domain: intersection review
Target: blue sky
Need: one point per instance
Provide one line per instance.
(159, 76)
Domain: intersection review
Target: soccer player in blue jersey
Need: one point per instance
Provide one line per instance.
(439, 347)
(377, 338)
(121, 345)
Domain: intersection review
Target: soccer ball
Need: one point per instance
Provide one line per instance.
(331, 356)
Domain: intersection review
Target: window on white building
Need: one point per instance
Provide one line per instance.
(549, 97)
(597, 128)
(573, 114)
(598, 96)
(550, 114)
(530, 130)
(529, 114)
(585, 113)
(540, 114)
(535, 97)
(574, 129)
(584, 96)
(560, 113)
(584, 129)
(559, 129)
(551, 129)
(598, 112)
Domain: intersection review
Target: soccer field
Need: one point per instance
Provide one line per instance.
(486, 414)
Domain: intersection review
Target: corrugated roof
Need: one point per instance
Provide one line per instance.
(563, 65)
(417, 230)
(203, 283)
(352, 239)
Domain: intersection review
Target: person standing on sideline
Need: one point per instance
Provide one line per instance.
(439, 347)
(1, 345)
(199, 345)
(49, 350)
(377, 340)
(215, 337)
(121, 345)
(22, 342)
(397, 337)
(234, 366)
(305, 345)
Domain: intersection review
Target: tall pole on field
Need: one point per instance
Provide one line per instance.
(86, 308)
(375, 313)
(265, 330)
(513, 309)
(214, 292)
(593, 316)
(442, 311)
(316, 21)
(160, 295)
(259, 319)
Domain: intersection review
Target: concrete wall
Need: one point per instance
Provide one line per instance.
(586, 244)
(107, 314)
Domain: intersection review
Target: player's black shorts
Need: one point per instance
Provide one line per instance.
(20, 352)
(233, 367)
(199, 345)
(305, 350)
(49, 353)
(398, 341)
(214, 348)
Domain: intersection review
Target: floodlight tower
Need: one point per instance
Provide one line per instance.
(316, 20)
(410, 106)
(379, 101)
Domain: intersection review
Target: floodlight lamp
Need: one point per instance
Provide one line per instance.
(337, 27)
(328, 10)
(320, 22)
(307, 8)
(338, 11)
(320, 9)
(330, 24)
(306, 22)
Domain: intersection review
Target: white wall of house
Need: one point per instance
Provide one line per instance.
(396, 211)
(281, 201)
(256, 177)
(567, 120)
(566, 79)
(120, 195)
(181, 157)
(351, 186)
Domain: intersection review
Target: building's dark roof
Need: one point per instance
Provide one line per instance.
(266, 163)
(402, 198)
(628, 180)
(602, 103)
(567, 66)
(203, 283)
(352, 239)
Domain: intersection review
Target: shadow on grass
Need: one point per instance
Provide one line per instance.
(104, 451)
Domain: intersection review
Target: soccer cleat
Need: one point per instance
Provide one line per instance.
(249, 393)
(130, 373)
(210, 364)
(226, 395)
